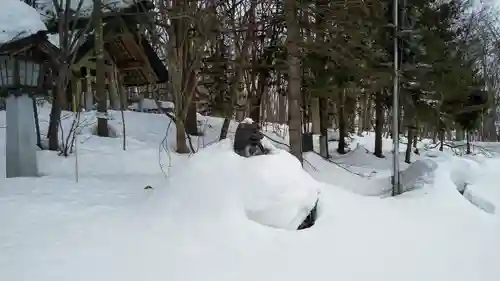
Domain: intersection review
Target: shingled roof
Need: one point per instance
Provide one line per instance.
(123, 46)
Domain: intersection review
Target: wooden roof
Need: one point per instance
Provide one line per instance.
(36, 47)
(131, 52)
(137, 11)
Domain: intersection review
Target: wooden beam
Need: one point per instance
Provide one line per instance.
(151, 74)
(127, 65)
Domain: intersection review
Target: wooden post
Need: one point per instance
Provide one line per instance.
(78, 91)
(89, 97)
(114, 98)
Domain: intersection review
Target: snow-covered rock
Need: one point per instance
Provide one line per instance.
(271, 190)
(417, 174)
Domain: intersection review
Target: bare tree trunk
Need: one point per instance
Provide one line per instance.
(102, 103)
(315, 116)
(441, 139)
(323, 127)
(225, 128)
(415, 137)
(55, 118)
(369, 114)
(408, 118)
(467, 135)
(282, 109)
(379, 125)
(191, 120)
(342, 122)
(294, 84)
(409, 145)
(321, 106)
(182, 146)
(362, 114)
(459, 133)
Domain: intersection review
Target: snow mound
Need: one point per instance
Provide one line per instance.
(464, 174)
(282, 194)
(272, 190)
(479, 202)
(247, 121)
(417, 174)
(18, 20)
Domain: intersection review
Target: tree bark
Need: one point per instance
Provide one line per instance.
(323, 127)
(191, 120)
(459, 133)
(225, 128)
(409, 114)
(379, 125)
(441, 140)
(182, 146)
(102, 103)
(58, 98)
(409, 145)
(342, 123)
(55, 117)
(467, 135)
(315, 116)
(294, 82)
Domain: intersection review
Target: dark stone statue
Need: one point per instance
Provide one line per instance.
(247, 139)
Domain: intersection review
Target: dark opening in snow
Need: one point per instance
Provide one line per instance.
(276, 218)
(310, 219)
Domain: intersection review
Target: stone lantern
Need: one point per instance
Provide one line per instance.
(20, 78)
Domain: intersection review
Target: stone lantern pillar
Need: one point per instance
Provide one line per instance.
(20, 78)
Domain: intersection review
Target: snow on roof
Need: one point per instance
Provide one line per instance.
(18, 20)
(46, 6)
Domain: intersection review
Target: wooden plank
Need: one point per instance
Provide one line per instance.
(128, 65)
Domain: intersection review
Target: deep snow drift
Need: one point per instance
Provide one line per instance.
(217, 216)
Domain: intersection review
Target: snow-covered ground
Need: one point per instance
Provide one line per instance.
(217, 216)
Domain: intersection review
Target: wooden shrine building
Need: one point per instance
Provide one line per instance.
(129, 57)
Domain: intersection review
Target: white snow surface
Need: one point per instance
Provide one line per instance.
(151, 104)
(217, 216)
(84, 7)
(18, 20)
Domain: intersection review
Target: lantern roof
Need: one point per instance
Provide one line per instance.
(18, 20)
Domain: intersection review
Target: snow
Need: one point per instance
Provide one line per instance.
(247, 121)
(18, 20)
(214, 215)
(84, 7)
(149, 104)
